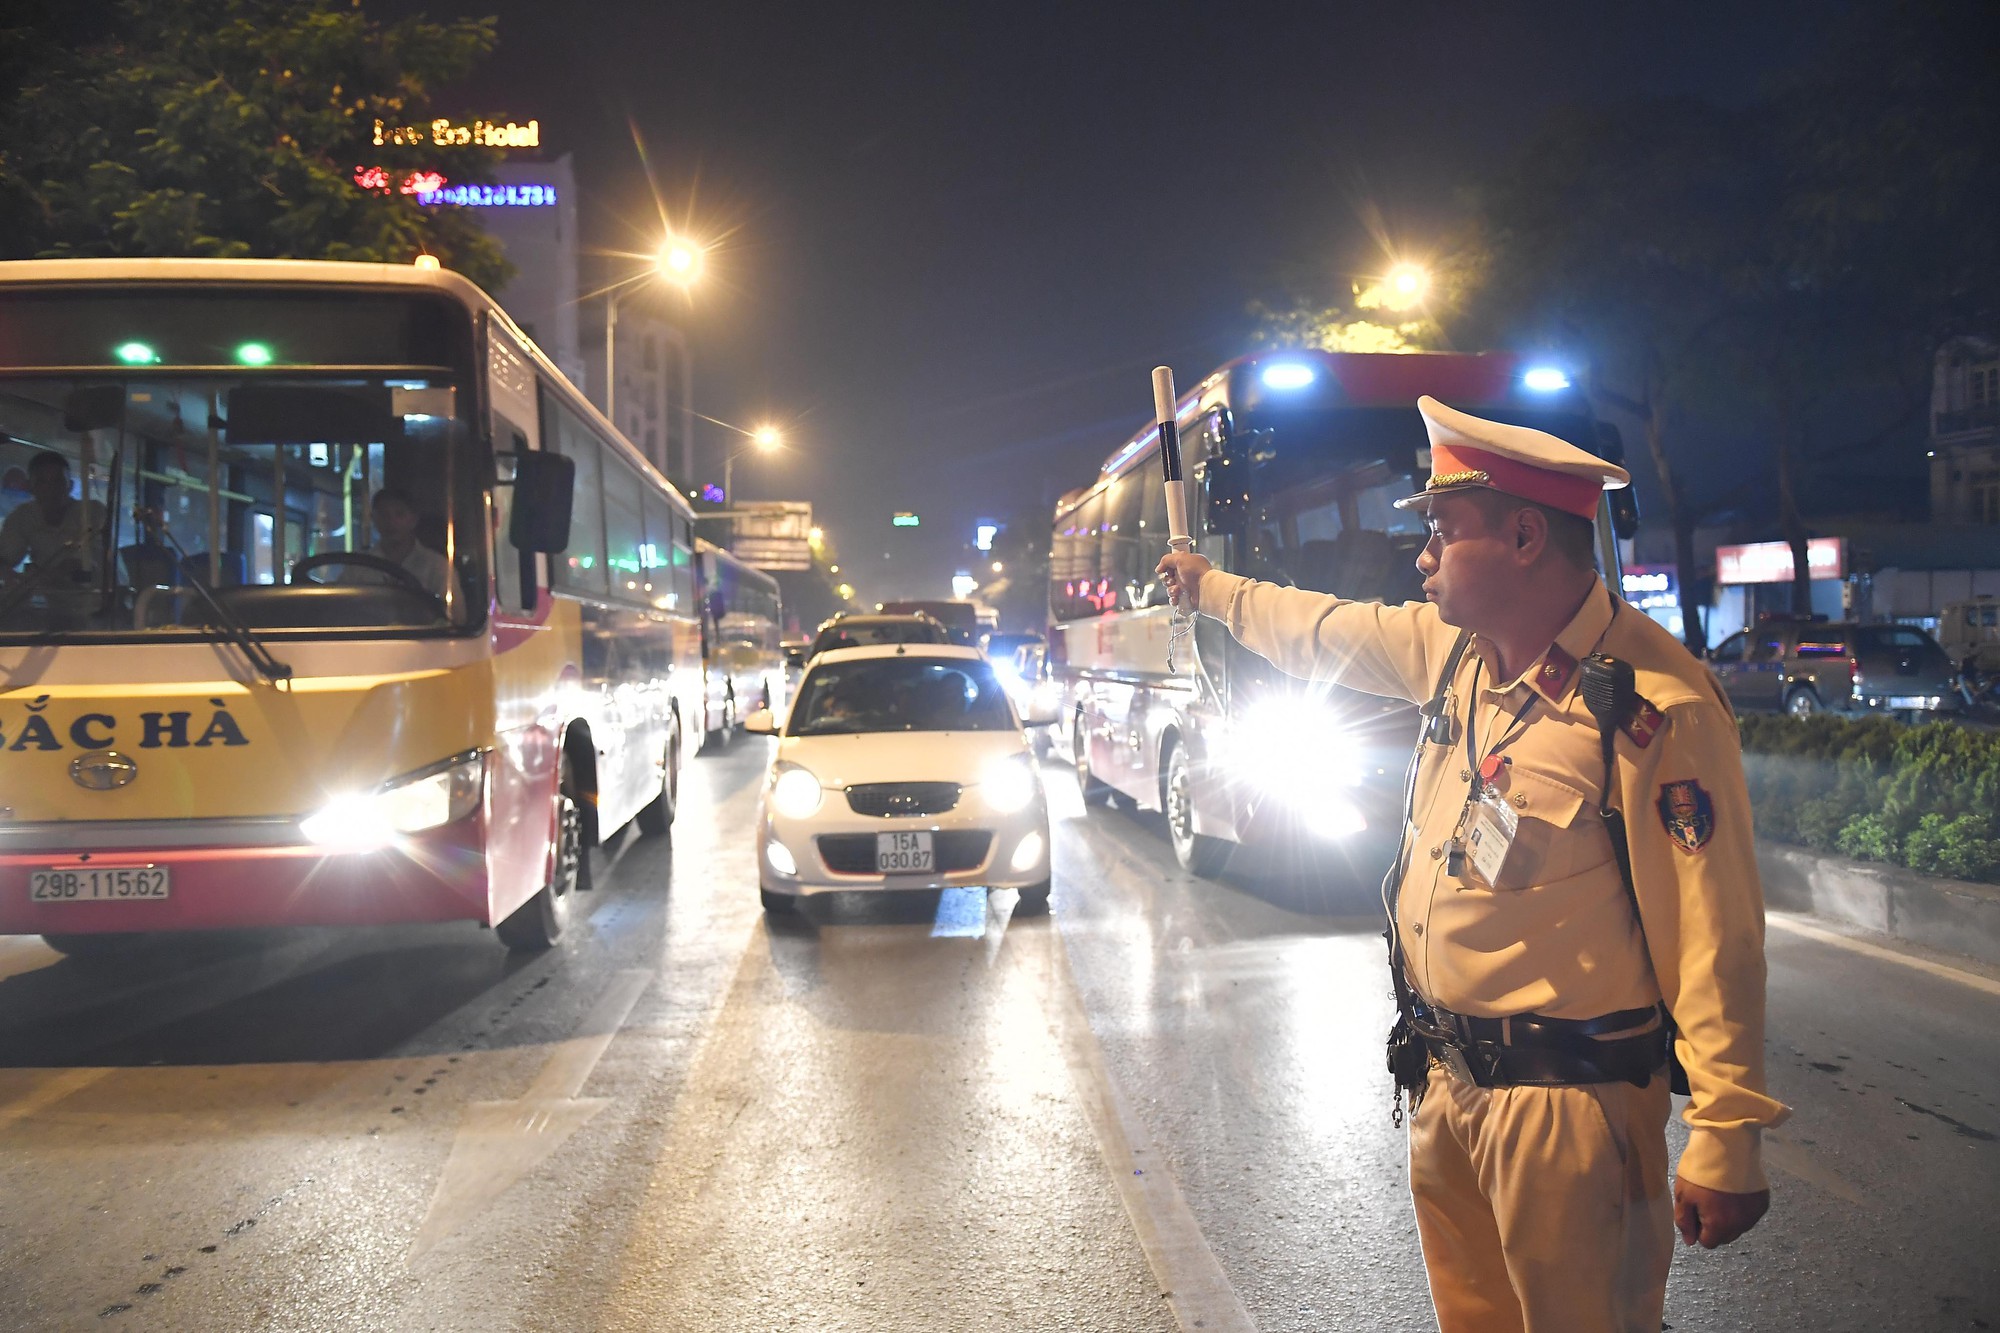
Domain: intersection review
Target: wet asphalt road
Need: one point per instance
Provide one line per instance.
(1161, 1108)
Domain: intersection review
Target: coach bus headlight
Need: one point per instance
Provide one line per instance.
(1296, 752)
(795, 793)
(441, 794)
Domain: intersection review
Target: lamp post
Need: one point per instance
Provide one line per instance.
(679, 261)
(764, 439)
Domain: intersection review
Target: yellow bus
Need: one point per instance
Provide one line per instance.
(324, 599)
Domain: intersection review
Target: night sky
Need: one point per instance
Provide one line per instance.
(955, 240)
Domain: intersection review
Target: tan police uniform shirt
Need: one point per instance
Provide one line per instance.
(1556, 934)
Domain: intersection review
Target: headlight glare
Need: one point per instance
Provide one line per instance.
(795, 793)
(1008, 784)
(441, 794)
(1296, 751)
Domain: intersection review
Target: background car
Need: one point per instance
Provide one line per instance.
(848, 630)
(1804, 666)
(900, 766)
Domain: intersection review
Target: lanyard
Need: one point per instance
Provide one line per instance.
(1473, 759)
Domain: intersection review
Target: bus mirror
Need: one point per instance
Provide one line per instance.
(95, 407)
(310, 414)
(544, 486)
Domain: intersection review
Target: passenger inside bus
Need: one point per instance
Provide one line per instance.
(56, 534)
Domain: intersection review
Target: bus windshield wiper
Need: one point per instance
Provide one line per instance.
(270, 668)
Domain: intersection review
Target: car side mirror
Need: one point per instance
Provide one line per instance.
(760, 722)
(544, 489)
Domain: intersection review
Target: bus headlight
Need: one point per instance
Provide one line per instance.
(1296, 752)
(1008, 784)
(441, 794)
(795, 793)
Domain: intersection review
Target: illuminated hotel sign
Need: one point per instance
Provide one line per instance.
(442, 133)
(490, 196)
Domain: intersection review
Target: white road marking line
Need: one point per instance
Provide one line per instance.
(1196, 1288)
(48, 1093)
(1789, 922)
(500, 1142)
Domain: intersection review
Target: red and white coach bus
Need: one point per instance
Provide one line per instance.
(360, 613)
(1295, 459)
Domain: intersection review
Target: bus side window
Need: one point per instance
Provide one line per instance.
(624, 531)
(1121, 572)
(581, 568)
(514, 571)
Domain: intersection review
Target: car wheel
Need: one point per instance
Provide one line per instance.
(1094, 791)
(778, 904)
(1803, 701)
(1034, 900)
(657, 817)
(1197, 852)
(538, 923)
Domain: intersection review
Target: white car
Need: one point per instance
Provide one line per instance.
(900, 766)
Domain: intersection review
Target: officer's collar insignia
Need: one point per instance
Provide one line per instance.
(1688, 814)
(1555, 673)
(1644, 724)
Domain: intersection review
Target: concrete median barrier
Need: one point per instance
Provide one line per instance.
(1945, 914)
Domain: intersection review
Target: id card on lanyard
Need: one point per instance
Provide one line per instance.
(1489, 835)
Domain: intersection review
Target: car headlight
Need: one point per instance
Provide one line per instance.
(441, 794)
(795, 793)
(1008, 784)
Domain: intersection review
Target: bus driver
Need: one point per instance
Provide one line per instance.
(56, 533)
(395, 516)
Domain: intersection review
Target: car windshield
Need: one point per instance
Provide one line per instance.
(899, 694)
(867, 634)
(303, 503)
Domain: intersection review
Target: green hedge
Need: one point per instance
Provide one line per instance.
(1926, 797)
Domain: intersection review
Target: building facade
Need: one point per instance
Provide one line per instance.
(1965, 432)
(654, 403)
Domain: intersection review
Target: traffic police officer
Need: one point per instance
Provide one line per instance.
(1538, 1157)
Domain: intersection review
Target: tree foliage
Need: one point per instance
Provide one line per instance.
(237, 135)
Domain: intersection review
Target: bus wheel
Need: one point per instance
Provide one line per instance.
(538, 923)
(1197, 853)
(657, 817)
(1094, 791)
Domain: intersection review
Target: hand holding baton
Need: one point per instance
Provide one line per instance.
(1166, 411)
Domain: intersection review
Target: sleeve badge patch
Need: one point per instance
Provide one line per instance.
(1688, 814)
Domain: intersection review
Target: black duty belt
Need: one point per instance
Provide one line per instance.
(1534, 1050)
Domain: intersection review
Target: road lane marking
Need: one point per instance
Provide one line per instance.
(1785, 921)
(500, 1142)
(1190, 1276)
(48, 1093)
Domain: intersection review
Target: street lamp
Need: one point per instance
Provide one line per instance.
(679, 261)
(1408, 284)
(765, 439)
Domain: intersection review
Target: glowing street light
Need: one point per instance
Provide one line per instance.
(681, 260)
(765, 439)
(1407, 284)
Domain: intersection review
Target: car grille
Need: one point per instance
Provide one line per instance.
(884, 799)
(958, 850)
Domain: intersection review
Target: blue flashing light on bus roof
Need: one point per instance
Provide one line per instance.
(1545, 379)
(1286, 375)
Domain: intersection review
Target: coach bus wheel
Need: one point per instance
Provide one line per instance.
(1197, 853)
(1094, 791)
(538, 923)
(658, 816)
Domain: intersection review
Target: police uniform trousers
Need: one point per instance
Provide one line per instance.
(1543, 1210)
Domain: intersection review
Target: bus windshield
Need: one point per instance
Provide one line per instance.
(310, 502)
(1323, 487)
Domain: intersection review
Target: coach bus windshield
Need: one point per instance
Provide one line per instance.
(178, 457)
(1322, 493)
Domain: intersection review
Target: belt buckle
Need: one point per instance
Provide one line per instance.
(1454, 1060)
